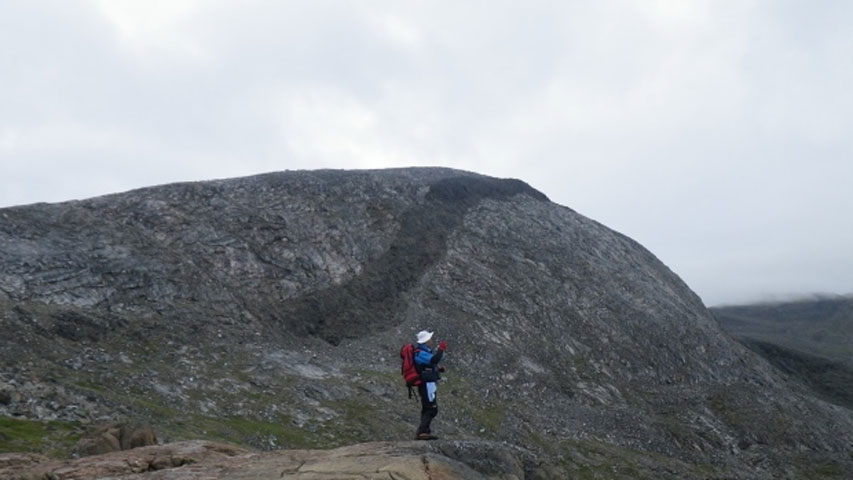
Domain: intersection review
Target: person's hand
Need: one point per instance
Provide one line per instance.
(442, 346)
(441, 369)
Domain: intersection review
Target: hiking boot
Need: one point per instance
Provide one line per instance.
(425, 436)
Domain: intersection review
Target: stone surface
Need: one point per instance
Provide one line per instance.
(193, 460)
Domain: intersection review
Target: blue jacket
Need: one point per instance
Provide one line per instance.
(425, 359)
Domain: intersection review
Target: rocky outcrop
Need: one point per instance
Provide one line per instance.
(115, 437)
(376, 461)
(269, 311)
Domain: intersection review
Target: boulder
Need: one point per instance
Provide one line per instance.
(104, 442)
(134, 436)
(115, 437)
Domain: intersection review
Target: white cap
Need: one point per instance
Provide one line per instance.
(424, 336)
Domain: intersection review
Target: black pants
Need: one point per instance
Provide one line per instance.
(428, 409)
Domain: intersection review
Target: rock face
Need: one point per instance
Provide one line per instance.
(270, 310)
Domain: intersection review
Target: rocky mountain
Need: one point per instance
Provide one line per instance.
(269, 311)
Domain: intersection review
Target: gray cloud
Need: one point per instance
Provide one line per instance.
(715, 133)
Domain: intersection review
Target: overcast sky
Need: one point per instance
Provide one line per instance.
(717, 134)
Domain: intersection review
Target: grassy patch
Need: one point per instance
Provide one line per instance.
(493, 418)
(358, 422)
(174, 424)
(593, 459)
(51, 438)
(472, 406)
(807, 467)
(376, 375)
(277, 434)
(736, 416)
(674, 427)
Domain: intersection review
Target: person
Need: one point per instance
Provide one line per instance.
(426, 363)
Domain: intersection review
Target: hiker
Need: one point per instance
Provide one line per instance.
(426, 363)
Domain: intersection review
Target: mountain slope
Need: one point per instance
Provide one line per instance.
(810, 340)
(269, 311)
(832, 381)
(820, 326)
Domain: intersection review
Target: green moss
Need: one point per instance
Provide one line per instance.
(358, 422)
(675, 427)
(279, 433)
(720, 405)
(53, 438)
(383, 377)
(829, 469)
(806, 467)
(493, 418)
(173, 423)
(537, 441)
(839, 351)
(90, 386)
(593, 459)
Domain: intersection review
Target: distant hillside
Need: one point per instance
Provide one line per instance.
(822, 326)
(832, 381)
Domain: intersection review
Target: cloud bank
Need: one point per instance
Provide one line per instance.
(715, 133)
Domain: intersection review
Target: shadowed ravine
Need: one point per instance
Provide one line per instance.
(372, 300)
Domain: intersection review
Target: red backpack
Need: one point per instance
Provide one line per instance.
(410, 373)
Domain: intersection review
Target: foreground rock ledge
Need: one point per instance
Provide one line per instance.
(207, 460)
